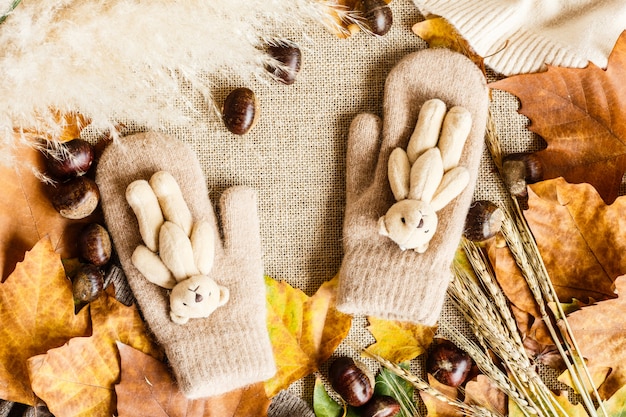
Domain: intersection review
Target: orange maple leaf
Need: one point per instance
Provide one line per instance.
(37, 314)
(581, 113)
(78, 378)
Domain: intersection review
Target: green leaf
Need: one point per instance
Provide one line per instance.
(388, 383)
(323, 405)
(616, 405)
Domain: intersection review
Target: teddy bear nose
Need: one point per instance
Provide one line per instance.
(198, 298)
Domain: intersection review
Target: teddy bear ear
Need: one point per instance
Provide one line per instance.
(224, 296)
(382, 227)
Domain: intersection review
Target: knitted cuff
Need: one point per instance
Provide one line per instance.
(285, 404)
(521, 37)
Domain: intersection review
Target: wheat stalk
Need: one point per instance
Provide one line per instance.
(519, 238)
(12, 7)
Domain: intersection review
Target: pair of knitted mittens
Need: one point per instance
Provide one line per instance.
(231, 348)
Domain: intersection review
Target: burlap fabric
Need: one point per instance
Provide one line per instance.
(295, 155)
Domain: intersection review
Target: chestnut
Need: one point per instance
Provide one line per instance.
(77, 198)
(70, 159)
(483, 221)
(380, 406)
(378, 16)
(94, 244)
(448, 364)
(240, 110)
(520, 169)
(351, 380)
(289, 58)
(87, 283)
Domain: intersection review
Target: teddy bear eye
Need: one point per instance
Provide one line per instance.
(402, 220)
(185, 304)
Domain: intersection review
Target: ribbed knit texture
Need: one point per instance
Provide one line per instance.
(285, 404)
(521, 36)
(231, 348)
(377, 278)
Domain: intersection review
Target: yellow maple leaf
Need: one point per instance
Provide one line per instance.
(37, 314)
(78, 379)
(304, 331)
(399, 341)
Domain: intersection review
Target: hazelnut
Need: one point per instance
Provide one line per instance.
(77, 198)
(351, 380)
(380, 406)
(289, 58)
(520, 169)
(448, 364)
(94, 244)
(240, 110)
(87, 283)
(483, 221)
(70, 159)
(378, 15)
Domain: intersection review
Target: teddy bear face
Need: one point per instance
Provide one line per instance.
(196, 297)
(409, 223)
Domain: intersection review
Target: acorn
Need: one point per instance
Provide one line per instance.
(240, 110)
(520, 169)
(448, 364)
(483, 221)
(380, 406)
(351, 380)
(77, 198)
(289, 58)
(87, 283)
(378, 16)
(70, 159)
(94, 244)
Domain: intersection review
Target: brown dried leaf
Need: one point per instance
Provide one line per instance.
(439, 33)
(77, 380)
(37, 314)
(599, 330)
(146, 389)
(27, 213)
(581, 115)
(439, 408)
(484, 393)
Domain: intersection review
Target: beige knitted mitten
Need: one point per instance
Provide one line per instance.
(377, 277)
(230, 348)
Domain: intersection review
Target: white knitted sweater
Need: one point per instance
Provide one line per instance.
(524, 35)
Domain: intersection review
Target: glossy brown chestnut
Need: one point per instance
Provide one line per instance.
(70, 159)
(94, 244)
(352, 381)
(87, 283)
(77, 198)
(520, 169)
(483, 221)
(240, 110)
(448, 364)
(378, 15)
(289, 59)
(380, 406)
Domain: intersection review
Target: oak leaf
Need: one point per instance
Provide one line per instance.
(581, 240)
(439, 33)
(27, 213)
(37, 314)
(399, 341)
(581, 115)
(78, 378)
(304, 331)
(146, 389)
(599, 331)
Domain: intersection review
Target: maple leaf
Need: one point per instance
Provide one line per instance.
(581, 240)
(399, 341)
(304, 331)
(439, 33)
(37, 314)
(599, 331)
(147, 389)
(78, 378)
(581, 115)
(27, 211)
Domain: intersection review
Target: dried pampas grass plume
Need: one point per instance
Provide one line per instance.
(127, 60)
